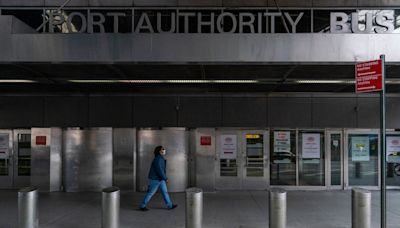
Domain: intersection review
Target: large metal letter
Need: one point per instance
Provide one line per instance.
(294, 23)
(355, 23)
(92, 22)
(273, 15)
(220, 19)
(55, 18)
(186, 20)
(116, 19)
(385, 23)
(71, 27)
(201, 23)
(249, 23)
(159, 24)
(144, 23)
(339, 26)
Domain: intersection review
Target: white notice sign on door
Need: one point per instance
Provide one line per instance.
(393, 149)
(311, 145)
(228, 147)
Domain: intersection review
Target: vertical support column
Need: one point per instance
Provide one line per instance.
(277, 208)
(110, 207)
(28, 216)
(360, 208)
(194, 208)
(383, 144)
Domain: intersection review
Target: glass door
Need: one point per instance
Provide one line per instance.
(255, 170)
(362, 158)
(393, 159)
(312, 158)
(283, 162)
(6, 161)
(335, 156)
(22, 158)
(228, 154)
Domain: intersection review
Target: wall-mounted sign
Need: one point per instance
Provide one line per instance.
(281, 141)
(360, 148)
(311, 145)
(393, 149)
(41, 140)
(228, 147)
(260, 20)
(205, 140)
(4, 146)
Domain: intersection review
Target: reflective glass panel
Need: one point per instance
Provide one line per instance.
(393, 160)
(312, 166)
(254, 155)
(24, 154)
(336, 163)
(283, 157)
(363, 160)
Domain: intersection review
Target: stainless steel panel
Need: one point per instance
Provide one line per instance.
(124, 158)
(46, 159)
(87, 159)
(6, 181)
(176, 142)
(204, 158)
(21, 164)
(343, 109)
(261, 48)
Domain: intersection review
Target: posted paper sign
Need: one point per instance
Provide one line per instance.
(360, 148)
(311, 146)
(282, 141)
(4, 146)
(393, 149)
(228, 147)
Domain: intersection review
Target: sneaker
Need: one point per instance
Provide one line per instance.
(143, 209)
(173, 206)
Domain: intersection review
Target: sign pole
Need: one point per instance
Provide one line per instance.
(383, 145)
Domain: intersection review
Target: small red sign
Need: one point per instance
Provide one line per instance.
(40, 140)
(369, 76)
(205, 140)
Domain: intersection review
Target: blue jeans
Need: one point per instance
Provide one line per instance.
(153, 187)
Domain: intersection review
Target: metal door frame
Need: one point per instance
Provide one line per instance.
(19, 181)
(228, 183)
(329, 132)
(391, 132)
(271, 131)
(7, 182)
(266, 177)
(298, 158)
(346, 134)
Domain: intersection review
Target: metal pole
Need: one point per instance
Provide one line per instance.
(383, 145)
(277, 208)
(110, 207)
(28, 216)
(360, 208)
(194, 208)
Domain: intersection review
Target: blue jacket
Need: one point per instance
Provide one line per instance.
(158, 168)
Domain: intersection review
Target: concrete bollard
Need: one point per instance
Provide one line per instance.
(110, 207)
(194, 208)
(277, 208)
(360, 208)
(28, 215)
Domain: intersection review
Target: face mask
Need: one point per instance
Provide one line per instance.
(163, 152)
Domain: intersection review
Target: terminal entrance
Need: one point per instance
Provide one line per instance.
(15, 158)
(242, 159)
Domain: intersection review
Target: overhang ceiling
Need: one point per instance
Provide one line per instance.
(52, 77)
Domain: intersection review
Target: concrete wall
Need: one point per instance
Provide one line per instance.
(228, 3)
(303, 111)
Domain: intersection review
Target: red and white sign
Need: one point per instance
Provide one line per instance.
(369, 76)
(205, 140)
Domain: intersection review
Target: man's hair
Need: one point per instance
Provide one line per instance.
(157, 150)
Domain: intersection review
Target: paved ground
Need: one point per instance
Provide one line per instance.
(230, 209)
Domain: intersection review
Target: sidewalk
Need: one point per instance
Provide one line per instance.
(228, 209)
